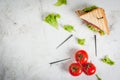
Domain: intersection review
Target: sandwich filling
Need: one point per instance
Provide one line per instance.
(94, 28)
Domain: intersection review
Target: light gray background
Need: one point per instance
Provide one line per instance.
(28, 44)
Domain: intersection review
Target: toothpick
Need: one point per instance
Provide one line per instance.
(95, 45)
(64, 41)
(59, 61)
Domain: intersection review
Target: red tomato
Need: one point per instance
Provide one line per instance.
(89, 68)
(75, 69)
(81, 56)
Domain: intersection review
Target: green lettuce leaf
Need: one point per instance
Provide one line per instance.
(101, 32)
(81, 41)
(60, 2)
(92, 28)
(52, 19)
(68, 28)
(98, 78)
(107, 60)
(88, 9)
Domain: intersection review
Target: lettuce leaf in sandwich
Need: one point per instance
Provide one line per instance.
(88, 9)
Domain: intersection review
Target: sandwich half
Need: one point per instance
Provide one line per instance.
(95, 19)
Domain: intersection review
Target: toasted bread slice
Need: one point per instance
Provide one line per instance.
(96, 17)
(80, 12)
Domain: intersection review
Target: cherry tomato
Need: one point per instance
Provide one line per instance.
(81, 56)
(75, 69)
(89, 68)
